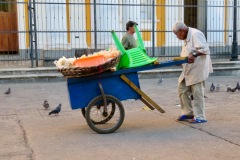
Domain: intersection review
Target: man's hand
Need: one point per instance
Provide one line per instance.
(191, 58)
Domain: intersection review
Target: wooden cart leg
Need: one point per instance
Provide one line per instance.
(139, 91)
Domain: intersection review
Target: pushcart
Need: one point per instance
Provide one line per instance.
(99, 96)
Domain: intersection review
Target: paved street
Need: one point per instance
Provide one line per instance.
(27, 132)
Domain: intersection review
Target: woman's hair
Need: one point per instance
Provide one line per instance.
(179, 25)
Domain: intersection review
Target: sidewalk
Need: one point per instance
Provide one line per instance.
(28, 133)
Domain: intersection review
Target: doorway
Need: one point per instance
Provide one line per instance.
(190, 13)
(8, 27)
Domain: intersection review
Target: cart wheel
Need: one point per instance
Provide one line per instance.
(106, 116)
(105, 122)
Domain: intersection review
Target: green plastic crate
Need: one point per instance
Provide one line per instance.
(134, 57)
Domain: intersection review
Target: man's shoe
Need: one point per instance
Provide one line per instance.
(185, 117)
(197, 120)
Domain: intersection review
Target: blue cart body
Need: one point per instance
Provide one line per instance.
(83, 89)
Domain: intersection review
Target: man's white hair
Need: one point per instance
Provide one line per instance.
(179, 25)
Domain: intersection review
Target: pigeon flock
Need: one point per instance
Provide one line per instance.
(212, 88)
(54, 111)
(229, 89)
(57, 110)
(46, 105)
(217, 88)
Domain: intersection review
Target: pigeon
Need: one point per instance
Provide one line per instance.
(46, 104)
(238, 86)
(212, 88)
(229, 89)
(160, 81)
(56, 110)
(8, 91)
(217, 87)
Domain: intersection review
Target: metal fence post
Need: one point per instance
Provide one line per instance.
(30, 31)
(95, 25)
(153, 28)
(205, 30)
(234, 55)
(33, 33)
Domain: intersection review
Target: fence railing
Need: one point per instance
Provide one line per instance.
(35, 32)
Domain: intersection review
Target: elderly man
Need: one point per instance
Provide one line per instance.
(128, 40)
(194, 73)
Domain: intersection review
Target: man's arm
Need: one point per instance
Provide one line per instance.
(200, 47)
(200, 44)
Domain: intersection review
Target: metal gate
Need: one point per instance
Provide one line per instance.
(34, 33)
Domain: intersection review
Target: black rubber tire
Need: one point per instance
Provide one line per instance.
(94, 125)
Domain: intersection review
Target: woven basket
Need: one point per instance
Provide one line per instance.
(87, 71)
